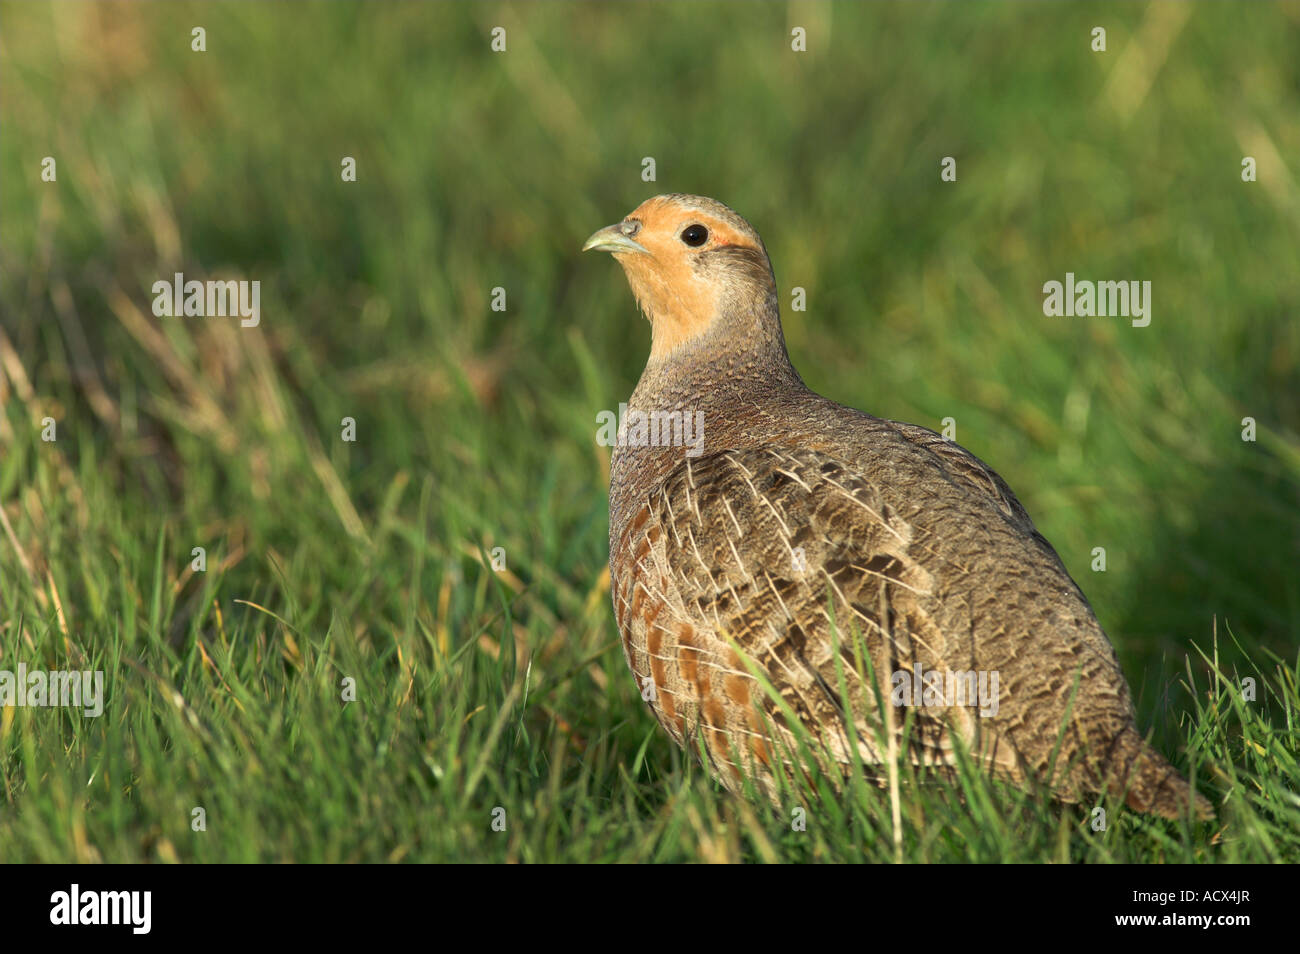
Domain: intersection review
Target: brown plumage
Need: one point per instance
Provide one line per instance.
(793, 524)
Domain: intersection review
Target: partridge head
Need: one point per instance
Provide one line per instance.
(698, 271)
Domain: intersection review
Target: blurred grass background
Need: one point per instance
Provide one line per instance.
(476, 428)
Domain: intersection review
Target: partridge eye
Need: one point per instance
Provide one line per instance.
(695, 235)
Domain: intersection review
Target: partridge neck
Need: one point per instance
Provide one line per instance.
(717, 388)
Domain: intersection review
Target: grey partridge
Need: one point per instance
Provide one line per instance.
(758, 528)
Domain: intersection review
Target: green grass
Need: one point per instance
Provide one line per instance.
(478, 690)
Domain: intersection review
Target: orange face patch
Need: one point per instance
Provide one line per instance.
(679, 302)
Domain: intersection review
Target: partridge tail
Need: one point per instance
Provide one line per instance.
(1150, 784)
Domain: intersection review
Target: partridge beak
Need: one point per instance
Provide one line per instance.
(614, 239)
